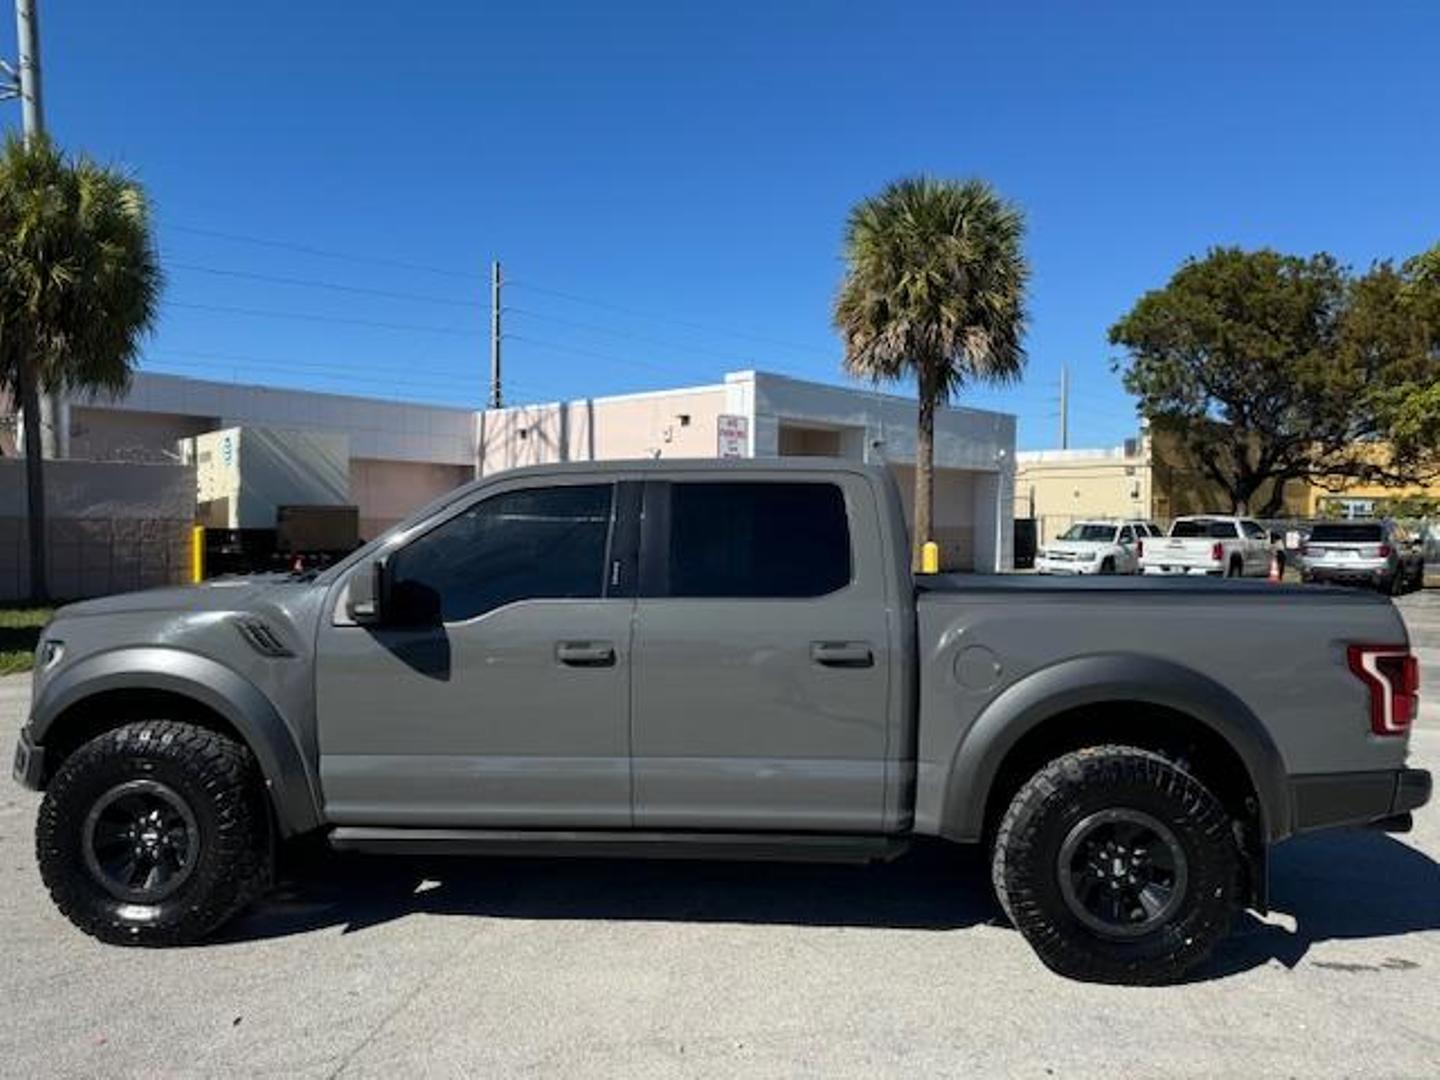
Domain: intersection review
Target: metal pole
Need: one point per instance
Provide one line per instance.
(54, 434)
(1064, 406)
(496, 398)
(27, 29)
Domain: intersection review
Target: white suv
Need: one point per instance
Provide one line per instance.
(1096, 547)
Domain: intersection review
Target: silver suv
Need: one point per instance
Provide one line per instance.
(1380, 554)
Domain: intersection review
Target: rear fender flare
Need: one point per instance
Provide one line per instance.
(1095, 680)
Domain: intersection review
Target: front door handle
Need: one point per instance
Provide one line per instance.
(843, 654)
(585, 653)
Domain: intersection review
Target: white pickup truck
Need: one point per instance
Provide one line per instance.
(1210, 544)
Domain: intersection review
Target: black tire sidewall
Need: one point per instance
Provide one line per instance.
(1031, 875)
(224, 818)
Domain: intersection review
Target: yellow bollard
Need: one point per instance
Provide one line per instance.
(930, 558)
(197, 554)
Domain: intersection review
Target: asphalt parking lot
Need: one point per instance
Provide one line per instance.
(396, 967)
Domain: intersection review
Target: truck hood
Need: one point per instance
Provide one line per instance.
(1086, 548)
(222, 594)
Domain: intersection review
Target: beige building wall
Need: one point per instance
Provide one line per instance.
(387, 491)
(1060, 487)
(101, 434)
(668, 423)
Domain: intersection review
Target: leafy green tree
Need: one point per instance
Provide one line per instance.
(79, 287)
(934, 290)
(1273, 368)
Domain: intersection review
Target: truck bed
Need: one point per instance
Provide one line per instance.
(1268, 653)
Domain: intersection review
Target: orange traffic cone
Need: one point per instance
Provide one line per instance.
(1275, 574)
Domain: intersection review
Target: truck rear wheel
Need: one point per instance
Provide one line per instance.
(1117, 866)
(154, 834)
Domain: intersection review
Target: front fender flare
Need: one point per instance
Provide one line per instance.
(1096, 680)
(291, 783)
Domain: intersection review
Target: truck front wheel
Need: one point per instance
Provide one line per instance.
(1117, 866)
(154, 834)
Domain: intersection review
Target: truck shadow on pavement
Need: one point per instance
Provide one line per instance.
(1340, 885)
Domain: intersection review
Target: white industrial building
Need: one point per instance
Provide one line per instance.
(401, 455)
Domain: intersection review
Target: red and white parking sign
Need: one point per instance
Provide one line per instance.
(734, 436)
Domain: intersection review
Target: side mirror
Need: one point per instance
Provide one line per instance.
(370, 593)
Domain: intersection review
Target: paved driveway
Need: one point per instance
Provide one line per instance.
(386, 967)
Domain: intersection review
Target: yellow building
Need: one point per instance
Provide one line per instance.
(1146, 478)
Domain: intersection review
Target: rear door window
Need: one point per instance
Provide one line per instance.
(756, 539)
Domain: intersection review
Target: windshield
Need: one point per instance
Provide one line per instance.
(1204, 527)
(1092, 533)
(1347, 533)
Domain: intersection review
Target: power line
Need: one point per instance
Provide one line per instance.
(323, 253)
(313, 283)
(306, 317)
(809, 350)
(612, 332)
(591, 353)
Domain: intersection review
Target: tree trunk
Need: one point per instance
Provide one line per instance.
(34, 481)
(1275, 505)
(924, 473)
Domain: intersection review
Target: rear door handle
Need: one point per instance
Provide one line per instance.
(842, 654)
(585, 653)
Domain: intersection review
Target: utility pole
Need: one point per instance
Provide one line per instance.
(496, 398)
(23, 82)
(27, 31)
(1064, 406)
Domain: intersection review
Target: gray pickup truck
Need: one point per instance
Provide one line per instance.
(715, 660)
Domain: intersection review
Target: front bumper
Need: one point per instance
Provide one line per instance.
(1065, 566)
(1196, 571)
(29, 766)
(1359, 798)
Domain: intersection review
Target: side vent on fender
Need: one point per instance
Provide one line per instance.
(262, 638)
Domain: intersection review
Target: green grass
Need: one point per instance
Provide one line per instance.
(19, 630)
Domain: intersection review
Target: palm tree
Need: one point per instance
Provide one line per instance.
(79, 284)
(934, 290)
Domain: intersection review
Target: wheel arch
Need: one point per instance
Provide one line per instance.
(102, 692)
(1151, 700)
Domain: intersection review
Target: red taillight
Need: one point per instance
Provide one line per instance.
(1139, 549)
(1392, 675)
(1383, 551)
(1217, 552)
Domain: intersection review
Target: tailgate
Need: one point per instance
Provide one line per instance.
(1180, 551)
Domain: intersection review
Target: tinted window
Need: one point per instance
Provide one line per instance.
(758, 539)
(1254, 531)
(1203, 527)
(1345, 532)
(519, 545)
(1127, 535)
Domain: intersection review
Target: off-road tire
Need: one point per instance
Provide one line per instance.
(1234, 569)
(216, 778)
(1025, 865)
(1107, 566)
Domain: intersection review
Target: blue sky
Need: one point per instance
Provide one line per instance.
(667, 183)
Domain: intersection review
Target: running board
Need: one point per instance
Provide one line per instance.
(780, 847)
